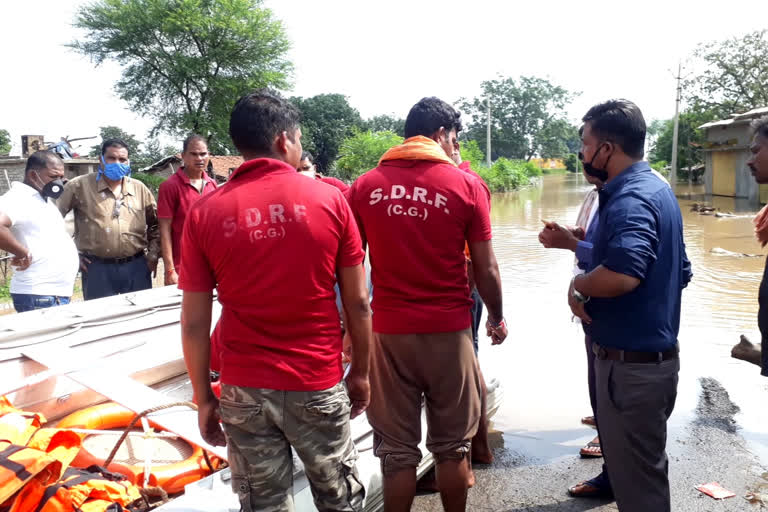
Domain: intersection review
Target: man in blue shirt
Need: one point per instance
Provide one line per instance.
(629, 300)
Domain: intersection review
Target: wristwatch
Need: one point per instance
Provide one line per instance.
(577, 295)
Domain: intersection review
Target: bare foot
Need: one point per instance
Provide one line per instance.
(747, 351)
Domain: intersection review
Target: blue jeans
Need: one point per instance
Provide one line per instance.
(27, 302)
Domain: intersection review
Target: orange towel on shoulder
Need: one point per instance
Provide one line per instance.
(418, 148)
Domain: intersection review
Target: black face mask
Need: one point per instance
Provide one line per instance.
(590, 169)
(52, 189)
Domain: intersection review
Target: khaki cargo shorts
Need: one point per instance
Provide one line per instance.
(262, 425)
(443, 369)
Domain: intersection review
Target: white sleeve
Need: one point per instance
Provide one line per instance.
(10, 207)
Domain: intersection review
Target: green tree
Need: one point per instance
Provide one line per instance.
(114, 132)
(326, 120)
(185, 62)
(386, 123)
(689, 141)
(735, 76)
(471, 152)
(558, 138)
(361, 152)
(521, 111)
(5, 142)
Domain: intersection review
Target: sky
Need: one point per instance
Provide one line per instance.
(385, 56)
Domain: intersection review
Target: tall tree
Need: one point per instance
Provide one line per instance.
(735, 76)
(521, 110)
(185, 62)
(5, 142)
(557, 139)
(386, 123)
(326, 120)
(361, 152)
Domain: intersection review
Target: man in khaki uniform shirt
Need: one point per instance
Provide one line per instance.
(116, 230)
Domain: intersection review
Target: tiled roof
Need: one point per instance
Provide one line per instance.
(223, 164)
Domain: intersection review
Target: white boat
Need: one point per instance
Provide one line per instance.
(138, 336)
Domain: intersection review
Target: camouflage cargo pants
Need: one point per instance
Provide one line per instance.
(261, 426)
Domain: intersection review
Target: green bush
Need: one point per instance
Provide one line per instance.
(471, 152)
(572, 163)
(152, 181)
(361, 152)
(505, 175)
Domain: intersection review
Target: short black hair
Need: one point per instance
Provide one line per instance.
(114, 143)
(41, 160)
(306, 155)
(621, 122)
(192, 138)
(428, 115)
(258, 118)
(760, 126)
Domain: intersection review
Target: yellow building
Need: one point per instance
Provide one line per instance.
(725, 157)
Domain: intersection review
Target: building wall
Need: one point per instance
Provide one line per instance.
(730, 143)
(15, 171)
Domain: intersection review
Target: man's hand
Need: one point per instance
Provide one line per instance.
(152, 265)
(498, 333)
(21, 263)
(359, 391)
(577, 307)
(171, 277)
(559, 237)
(208, 419)
(84, 262)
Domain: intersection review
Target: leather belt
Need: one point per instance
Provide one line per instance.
(114, 260)
(613, 354)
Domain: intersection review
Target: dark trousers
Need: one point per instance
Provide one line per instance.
(477, 315)
(634, 402)
(591, 375)
(107, 279)
(762, 318)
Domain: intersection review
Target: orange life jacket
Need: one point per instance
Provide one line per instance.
(92, 490)
(17, 426)
(20, 465)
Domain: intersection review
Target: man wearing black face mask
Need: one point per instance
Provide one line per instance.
(629, 302)
(32, 229)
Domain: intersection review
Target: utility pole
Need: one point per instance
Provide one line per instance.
(488, 136)
(673, 171)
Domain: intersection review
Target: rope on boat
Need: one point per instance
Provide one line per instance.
(141, 415)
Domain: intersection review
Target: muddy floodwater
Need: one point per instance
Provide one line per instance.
(719, 430)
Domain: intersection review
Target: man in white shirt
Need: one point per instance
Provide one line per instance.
(33, 231)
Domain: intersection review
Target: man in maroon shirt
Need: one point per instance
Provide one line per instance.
(415, 211)
(176, 196)
(279, 335)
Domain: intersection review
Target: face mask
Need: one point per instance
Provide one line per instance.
(590, 169)
(114, 171)
(52, 189)
(308, 174)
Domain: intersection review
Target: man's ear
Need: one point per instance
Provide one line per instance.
(280, 145)
(438, 135)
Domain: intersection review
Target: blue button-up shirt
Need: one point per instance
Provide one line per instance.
(640, 235)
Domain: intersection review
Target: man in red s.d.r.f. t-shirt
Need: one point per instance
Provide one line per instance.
(415, 211)
(279, 335)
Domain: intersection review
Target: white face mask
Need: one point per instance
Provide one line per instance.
(308, 174)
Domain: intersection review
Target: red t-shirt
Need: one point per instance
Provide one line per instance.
(334, 181)
(464, 166)
(416, 215)
(174, 199)
(271, 242)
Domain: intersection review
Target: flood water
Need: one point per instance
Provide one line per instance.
(542, 365)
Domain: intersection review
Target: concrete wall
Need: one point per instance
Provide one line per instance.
(14, 167)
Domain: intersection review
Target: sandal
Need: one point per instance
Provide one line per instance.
(589, 489)
(588, 453)
(589, 421)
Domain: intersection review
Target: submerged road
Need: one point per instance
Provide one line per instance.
(719, 430)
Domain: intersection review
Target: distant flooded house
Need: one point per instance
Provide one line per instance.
(726, 152)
